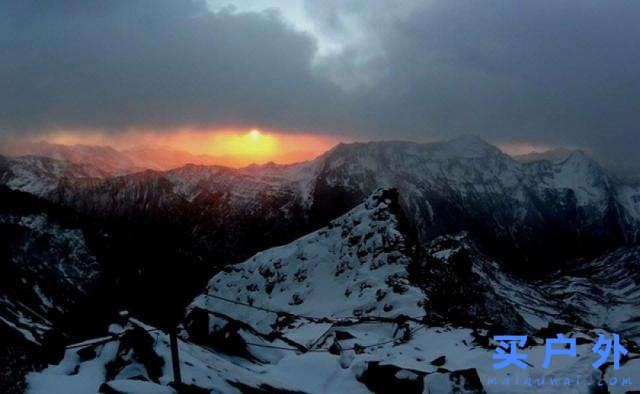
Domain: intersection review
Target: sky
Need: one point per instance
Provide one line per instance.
(528, 73)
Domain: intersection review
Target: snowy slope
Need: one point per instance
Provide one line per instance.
(629, 197)
(40, 175)
(356, 266)
(578, 173)
(460, 363)
(603, 291)
(598, 292)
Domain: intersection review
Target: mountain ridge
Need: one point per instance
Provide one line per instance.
(463, 184)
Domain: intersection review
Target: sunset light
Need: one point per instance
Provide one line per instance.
(228, 147)
(253, 146)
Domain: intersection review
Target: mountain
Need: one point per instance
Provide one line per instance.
(358, 265)
(624, 168)
(474, 291)
(537, 214)
(107, 159)
(468, 185)
(46, 269)
(42, 175)
(369, 263)
(542, 211)
(361, 306)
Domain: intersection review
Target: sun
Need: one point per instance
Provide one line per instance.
(255, 134)
(250, 146)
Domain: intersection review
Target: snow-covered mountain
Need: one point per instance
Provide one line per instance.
(357, 266)
(367, 263)
(363, 280)
(41, 175)
(46, 269)
(362, 306)
(530, 218)
(571, 206)
(108, 159)
(473, 290)
(468, 185)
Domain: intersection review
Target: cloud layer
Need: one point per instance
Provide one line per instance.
(155, 64)
(543, 72)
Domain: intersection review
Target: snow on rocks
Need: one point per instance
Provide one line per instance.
(54, 266)
(140, 360)
(357, 266)
(41, 175)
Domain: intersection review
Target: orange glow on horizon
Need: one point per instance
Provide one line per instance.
(253, 145)
(233, 148)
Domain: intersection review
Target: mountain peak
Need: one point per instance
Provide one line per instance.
(375, 154)
(356, 265)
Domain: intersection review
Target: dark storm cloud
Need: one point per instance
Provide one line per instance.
(555, 72)
(156, 64)
(558, 72)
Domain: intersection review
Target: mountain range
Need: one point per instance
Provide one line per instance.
(369, 239)
(573, 206)
(108, 160)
